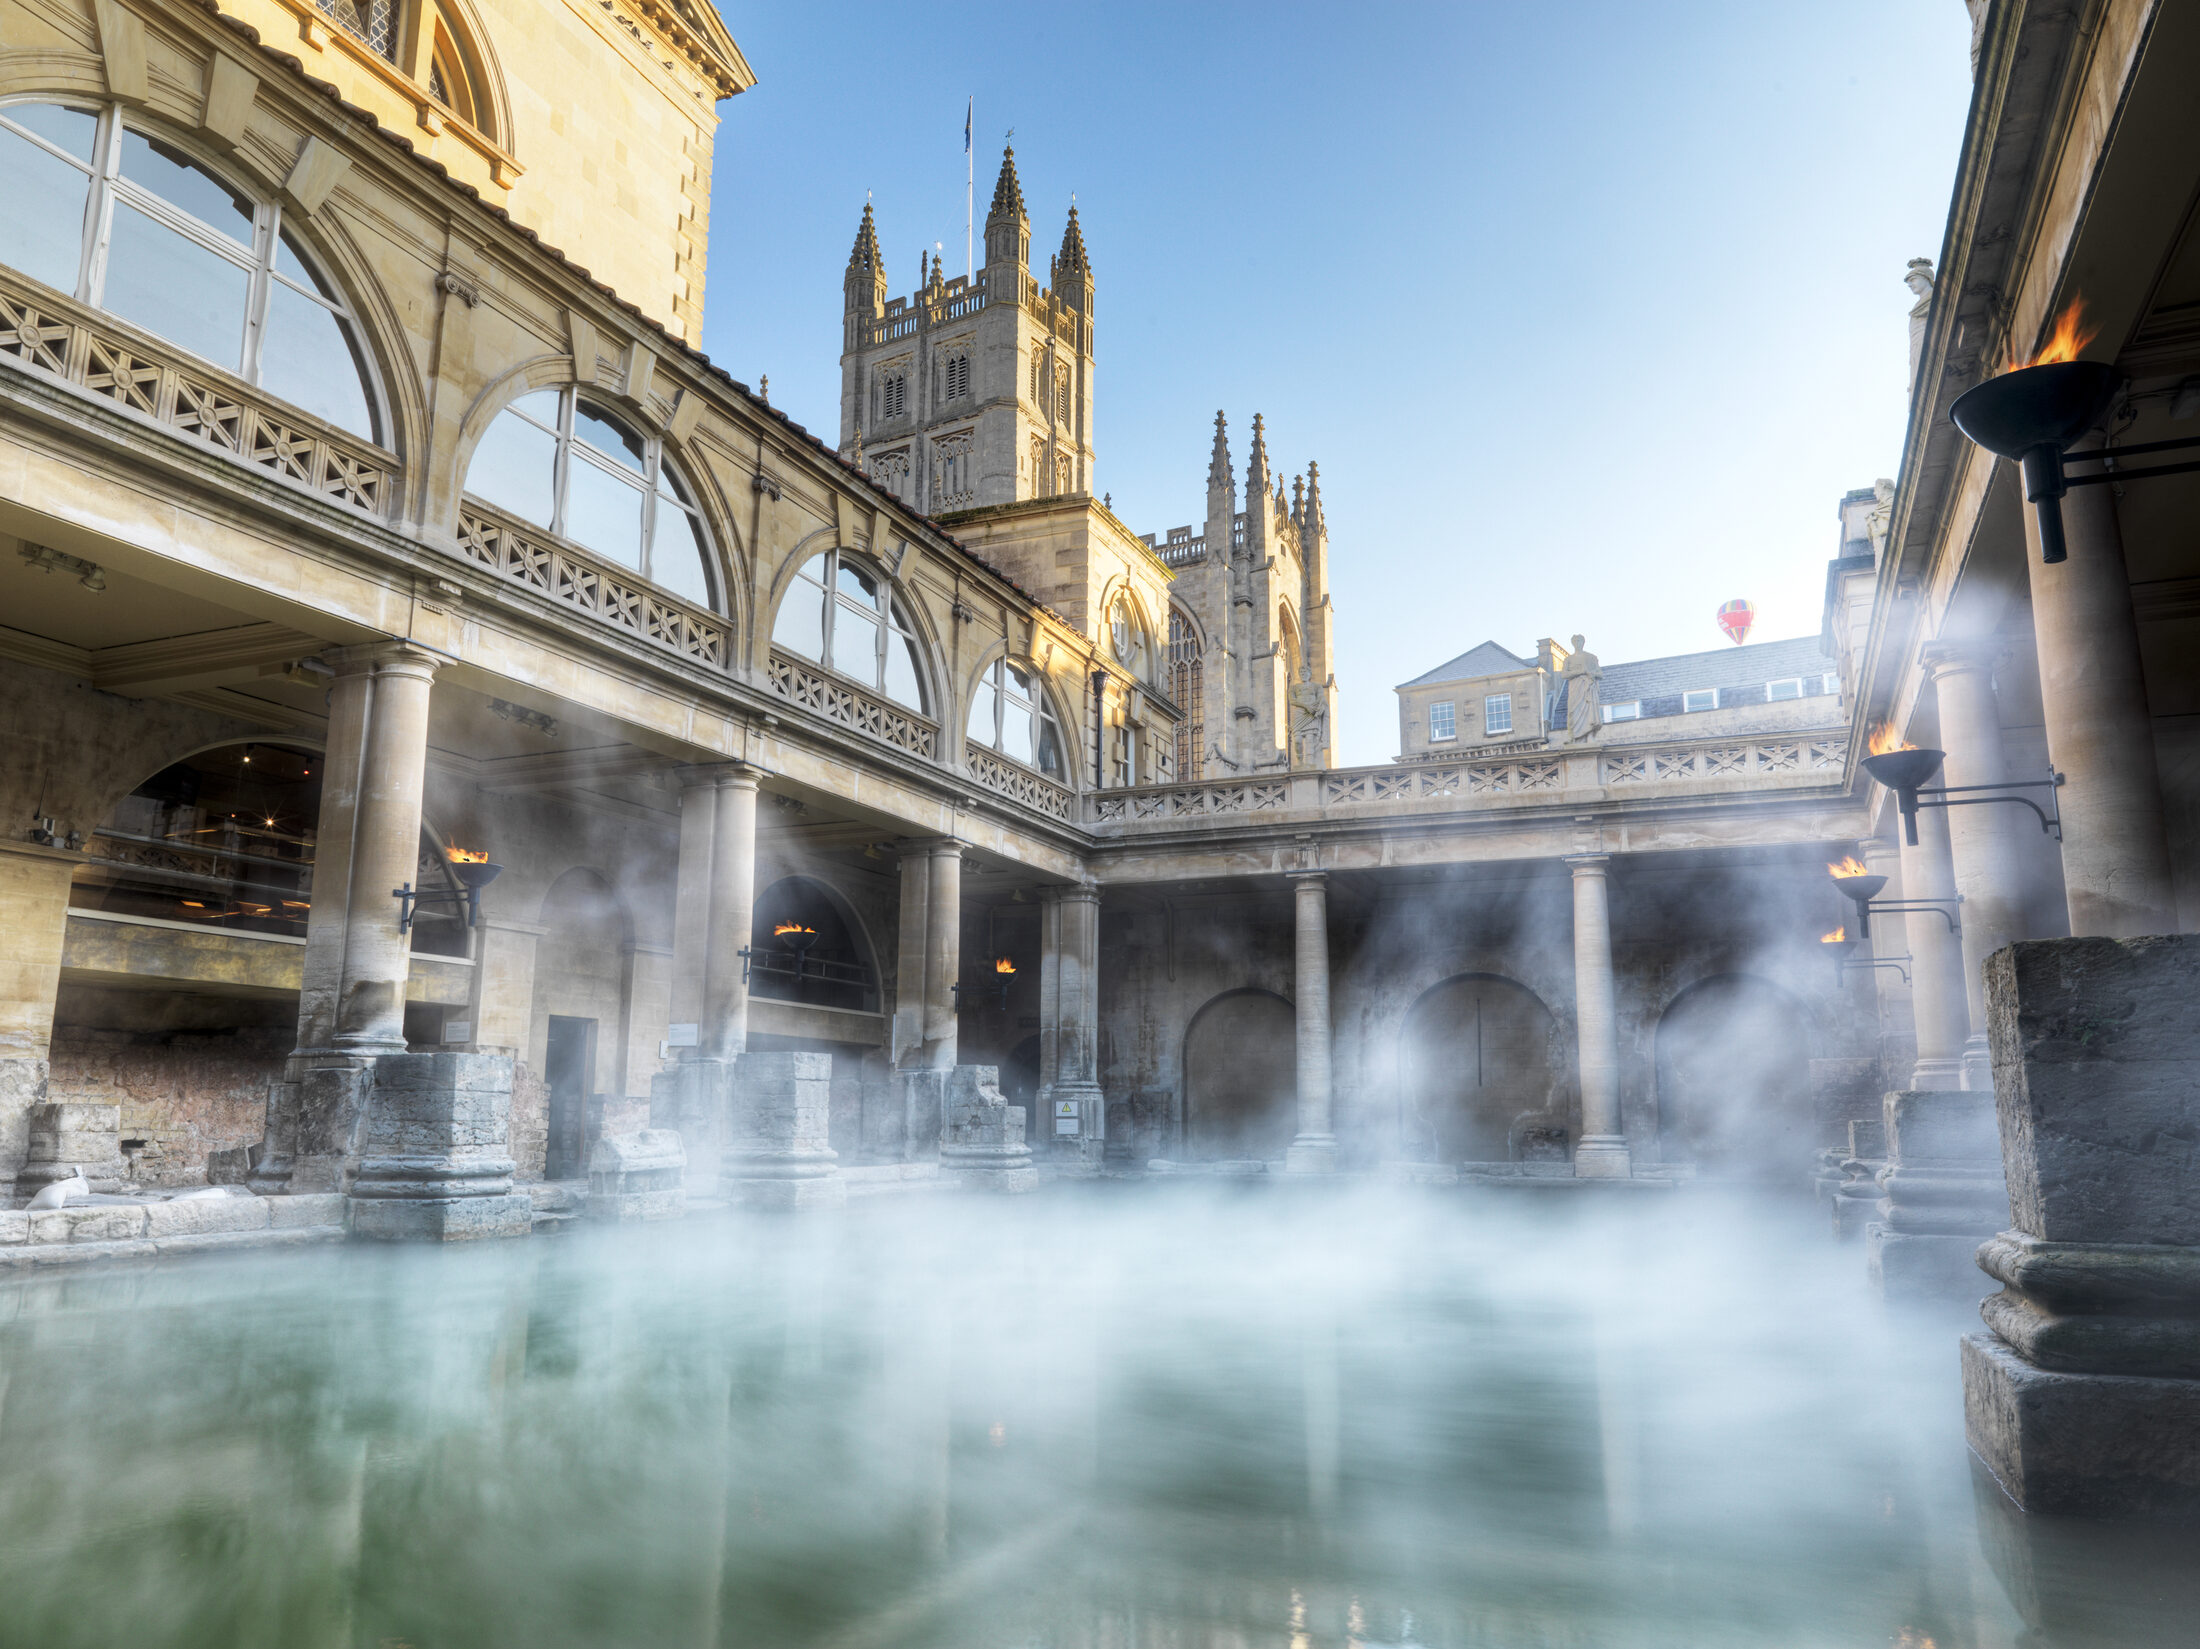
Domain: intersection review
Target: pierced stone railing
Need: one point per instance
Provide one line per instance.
(1377, 785)
(808, 687)
(1726, 759)
(1017, 782)
(1193, 801)
(62, 339)
(527, 555)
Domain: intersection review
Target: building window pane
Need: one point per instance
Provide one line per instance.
(72, 131)
(602, 435)
(800, 626)
(164, 173)
(1629, 711)
(985, 710)
(603, 512)
(515, 468)
(902, 682)
(1703, 698)
(171, 285)
(678, 557)
(855, 643)
(1497, 713)
(41, 207)
(1443, 720)
(306, 357)
(1784, 689)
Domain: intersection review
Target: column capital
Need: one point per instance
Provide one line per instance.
(932, 847)
(738, 775)
(1078, 893)
(1952, 657)
(393, 657)
(1588, 864)
(1309, 878)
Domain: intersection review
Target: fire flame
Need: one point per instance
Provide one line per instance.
(2070, 335)
(1884, 739)
(790, 927)
(461, 856)
(1839, 936)
(1004, 965)
(1850, 866)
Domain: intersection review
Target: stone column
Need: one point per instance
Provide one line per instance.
(778, 1150)
(34, 920)
(1069, 1021)
(942, 952)
(1602, 1152)
(1314, 1151)
(1982, 840)
(723, 1033)
(1937, 998)
(1890, 942)
(351, 1000)
(2100, 731)
(910, 951)
(1943, 1195)
(2085, 1397)
(435, 1159)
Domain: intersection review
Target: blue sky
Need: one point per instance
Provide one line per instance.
(1589, 312)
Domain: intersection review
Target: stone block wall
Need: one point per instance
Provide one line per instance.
(185, 1093)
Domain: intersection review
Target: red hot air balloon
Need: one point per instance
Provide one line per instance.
(1735, 618)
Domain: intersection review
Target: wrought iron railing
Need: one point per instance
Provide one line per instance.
(528, 555)
(84, 347)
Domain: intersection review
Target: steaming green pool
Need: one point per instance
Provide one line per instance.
(1128, 1419)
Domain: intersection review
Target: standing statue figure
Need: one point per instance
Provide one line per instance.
(1882, 512)
(1919, 280)
(1582, 675)
(1309, 720)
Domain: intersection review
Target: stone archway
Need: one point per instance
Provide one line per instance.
(1241, 1083)
(1482, 1078)
(1733, 1067)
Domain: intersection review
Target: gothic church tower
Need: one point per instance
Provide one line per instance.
(971, 393)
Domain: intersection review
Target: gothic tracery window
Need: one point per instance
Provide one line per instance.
(1187, 685)
(954, 376)
(1061, 394)
(1009, 713)
(579, 471)
(953, 484)
(95, 206)
(893, 394)
(1038, 466)
(1127, 636)
(844, 614)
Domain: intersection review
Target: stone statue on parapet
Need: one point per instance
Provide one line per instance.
(1309, 720)
(1582, 675)
(1882, 512)
(1919, 279)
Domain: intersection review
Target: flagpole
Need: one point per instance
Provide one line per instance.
(970, 270)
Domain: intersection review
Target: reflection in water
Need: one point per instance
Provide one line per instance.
(1132, 1421)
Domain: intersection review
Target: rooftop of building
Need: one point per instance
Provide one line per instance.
(1744, 666)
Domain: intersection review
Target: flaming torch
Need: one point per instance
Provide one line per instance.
(1004, 965)
(473, 872)
(1901, 766)
(1857, 883)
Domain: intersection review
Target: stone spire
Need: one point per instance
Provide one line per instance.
(865, 282)
(1007, 228)
(1256, 463)
(1298, 500)
(1218, 465)
(1314, 495)
(1071, 259)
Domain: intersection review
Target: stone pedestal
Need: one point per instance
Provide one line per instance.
(692, 1099)
(1941, 1196)
(777, 1152)
(902, 1118)
(2085, 1396)
(435, 1159)
(982, 1147)
(1856, 1198)
(64, 1138)
(637, 1177)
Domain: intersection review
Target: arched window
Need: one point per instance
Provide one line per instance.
(95, 207)
(1039, 466)
(1127, 636)
(580, 471)
(847, 618)
(1187, 685)
(954, 375)
(1038, 380)
(1061, 394)
(453, 79)
(893, 395)
(372, 21)
(1010, 713)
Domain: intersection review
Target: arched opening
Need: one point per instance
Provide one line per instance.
(1482, 1069)
(805, 948)
(1733, 1066)
(1241, 1078)
(582, 471)
(1287, 643)
(843, 613)
(1010, 711)
(1127, 636)
(578, 1017)
(106, 210)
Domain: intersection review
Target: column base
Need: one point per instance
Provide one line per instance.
(1937, 1075)
(1311, 1154)
(982, 1146)
(441, 1219)
(1919, 1267)
(1978, 1064)
(1603, 1156)
(2085, 1444)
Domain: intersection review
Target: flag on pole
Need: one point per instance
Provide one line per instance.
(967, 114)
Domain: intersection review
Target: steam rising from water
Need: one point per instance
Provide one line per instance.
(1131, 1418)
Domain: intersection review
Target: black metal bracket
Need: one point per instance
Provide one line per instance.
(1941, 907)
(2050, 823)
(998, 991)
(1842, 966)
(408, 898)
(2108, 455)
(743, 953)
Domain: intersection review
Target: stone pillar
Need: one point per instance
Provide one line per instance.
(351, 1000)
(1937, 1000)
(2100, 731)
(2085, 1397)
(1314, 1151)
(1069, 1023)
(34, 919)
(982, 1143)
(637, 1177)
(435, 1157)
(1943, 1195)
(723, 1032)
(1982, 840)
(1602, 1151)
(942, 953)
(910, 951)
(778, 1152)
(1897, 1044)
